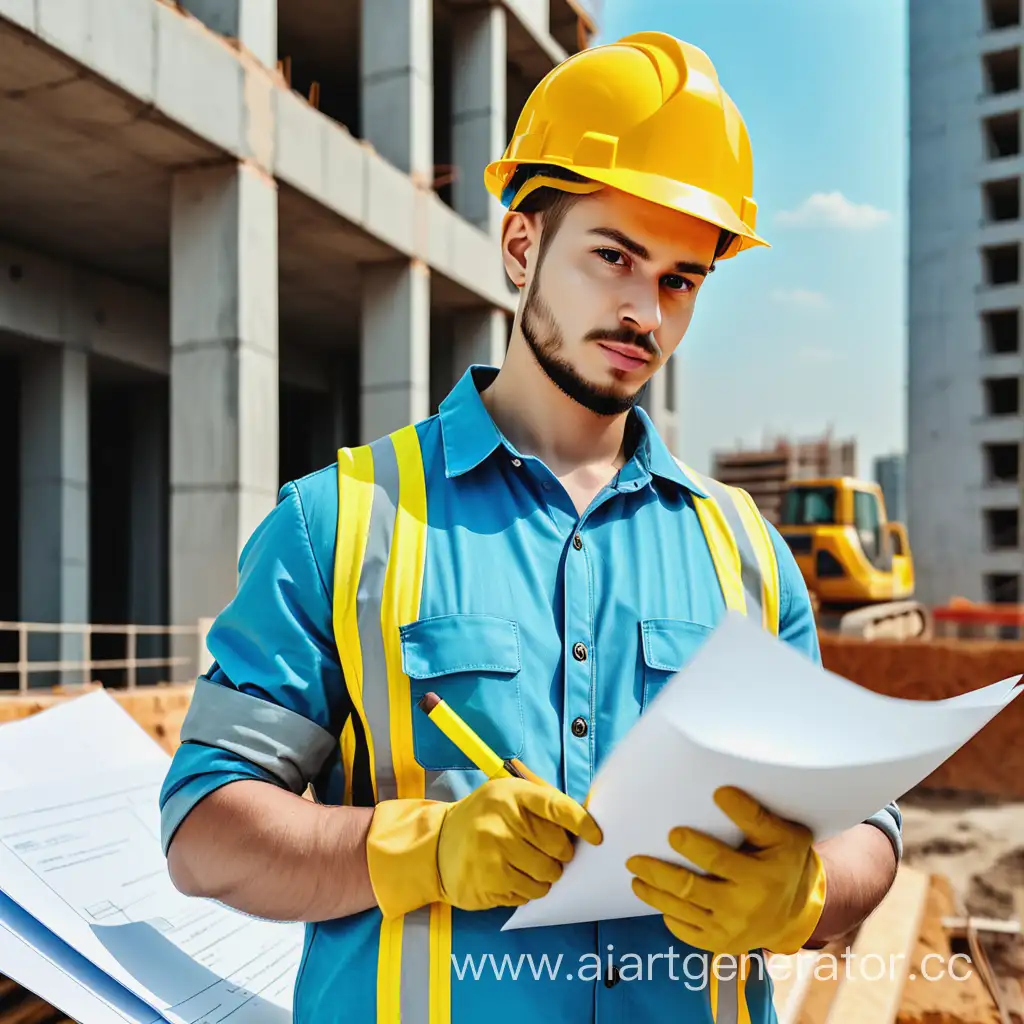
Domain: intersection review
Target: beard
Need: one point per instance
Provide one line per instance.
(546, 341)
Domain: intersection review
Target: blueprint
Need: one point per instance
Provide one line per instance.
(89, 918)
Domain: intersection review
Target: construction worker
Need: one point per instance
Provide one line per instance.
(536, 556)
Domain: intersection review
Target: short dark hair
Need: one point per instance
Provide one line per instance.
(554, 203)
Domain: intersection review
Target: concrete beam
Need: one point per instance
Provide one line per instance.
(224, 378)
(396, 49)
(252, 22)
(227, 100)
(395, 348)
(59, 303)
(478, 111)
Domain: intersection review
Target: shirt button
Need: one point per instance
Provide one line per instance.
(577, 542)
(579, 651)
(611, 979)
(579, 727)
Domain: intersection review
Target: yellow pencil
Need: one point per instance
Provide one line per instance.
(467, 740)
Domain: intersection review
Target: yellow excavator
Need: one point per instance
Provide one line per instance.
(857, 564)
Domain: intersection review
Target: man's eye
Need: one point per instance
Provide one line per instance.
(609, 255)
(674, 282)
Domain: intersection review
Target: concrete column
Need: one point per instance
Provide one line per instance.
(478, 111)
(397, 83)
(658, 406)
(55, 501)
(395, 341)
(147, 568)
(224, 378)
(481, 336)
(252, 22)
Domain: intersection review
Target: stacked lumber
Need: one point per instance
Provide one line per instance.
(160, 710)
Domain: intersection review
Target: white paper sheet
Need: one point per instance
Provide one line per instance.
(84, 735)
(106, 751)
(93, 733)
(750, 711)
(84, 859)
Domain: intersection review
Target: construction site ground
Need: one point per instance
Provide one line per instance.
(976, 841)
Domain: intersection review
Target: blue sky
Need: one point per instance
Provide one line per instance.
(810, 333)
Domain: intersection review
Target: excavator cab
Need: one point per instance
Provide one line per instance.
(850, 555)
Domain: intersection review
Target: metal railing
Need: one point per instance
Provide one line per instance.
(131, 663)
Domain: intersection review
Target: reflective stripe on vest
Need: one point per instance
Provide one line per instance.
(382, 528)
(378, 577)
(740, 548)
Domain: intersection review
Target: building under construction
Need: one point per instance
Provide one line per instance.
(234, 236)
(764, 472)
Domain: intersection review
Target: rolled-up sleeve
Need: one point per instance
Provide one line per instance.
(797, 627)
(273, 703)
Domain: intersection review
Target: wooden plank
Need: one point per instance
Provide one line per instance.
(931, 995)
(792, 975)
(30, 1009)
(888, 936)
(957, 926)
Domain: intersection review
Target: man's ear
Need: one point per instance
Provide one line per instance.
(520, 233)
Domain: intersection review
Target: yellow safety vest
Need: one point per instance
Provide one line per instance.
(378, 575)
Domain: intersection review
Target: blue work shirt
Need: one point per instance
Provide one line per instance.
(631, 580)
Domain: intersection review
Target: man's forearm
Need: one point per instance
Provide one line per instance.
(270, 853)
(860, 866)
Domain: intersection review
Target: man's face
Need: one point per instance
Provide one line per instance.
(613, 296)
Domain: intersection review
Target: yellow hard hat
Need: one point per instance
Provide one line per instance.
(645, 115)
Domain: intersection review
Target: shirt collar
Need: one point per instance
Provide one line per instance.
(654, 454)
(469, 435)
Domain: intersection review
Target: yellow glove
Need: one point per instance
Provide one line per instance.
(770, 897)
(501, 846)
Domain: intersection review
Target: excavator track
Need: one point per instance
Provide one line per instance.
(892, 620)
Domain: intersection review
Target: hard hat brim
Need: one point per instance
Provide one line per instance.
(674, 195)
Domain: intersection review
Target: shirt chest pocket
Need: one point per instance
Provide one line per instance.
(472, 662)
(668, 645)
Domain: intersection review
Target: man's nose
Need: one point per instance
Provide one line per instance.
(641, 311)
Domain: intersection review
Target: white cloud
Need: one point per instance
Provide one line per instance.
(800, 298)
(833, 210)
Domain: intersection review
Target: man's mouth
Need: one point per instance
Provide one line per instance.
(625, 357)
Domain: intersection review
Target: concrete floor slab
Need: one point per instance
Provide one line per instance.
(85, 170)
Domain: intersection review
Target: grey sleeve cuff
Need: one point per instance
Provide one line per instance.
(890, 820)
(284, 743)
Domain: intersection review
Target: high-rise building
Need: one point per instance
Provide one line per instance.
(891, 476)
(966, 293)
(234, 236)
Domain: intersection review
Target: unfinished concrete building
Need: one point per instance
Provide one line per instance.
(763, 472)
(234, 235)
